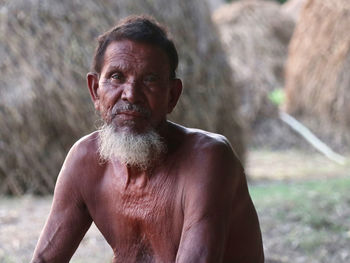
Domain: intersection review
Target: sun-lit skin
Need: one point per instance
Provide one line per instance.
(194, 206)
(139, 74)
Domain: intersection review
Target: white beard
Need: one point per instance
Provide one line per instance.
(136, 150)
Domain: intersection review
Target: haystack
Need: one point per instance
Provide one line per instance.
(293, 8)
(45, 54)
(317, 72)
(256, 35)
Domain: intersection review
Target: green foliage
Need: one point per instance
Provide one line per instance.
(311, 242)
(7, 258)
(277, 96)
(315, 213)
(331, 189)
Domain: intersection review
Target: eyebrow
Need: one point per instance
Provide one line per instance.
(116, 67)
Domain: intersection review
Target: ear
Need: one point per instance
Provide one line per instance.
(175, 92)
(92, 82)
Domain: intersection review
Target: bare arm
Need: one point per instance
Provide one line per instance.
(214, 187)
(68, 220)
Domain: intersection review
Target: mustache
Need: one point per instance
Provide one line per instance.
(130, 107)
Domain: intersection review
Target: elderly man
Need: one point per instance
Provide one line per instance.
(157, 191)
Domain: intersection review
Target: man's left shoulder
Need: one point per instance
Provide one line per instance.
(212, 164)
(208, 138)
(210, 143)
(212, 150)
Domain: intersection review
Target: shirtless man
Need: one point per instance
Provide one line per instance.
(157, 191)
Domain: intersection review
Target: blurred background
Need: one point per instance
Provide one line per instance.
(272, 76)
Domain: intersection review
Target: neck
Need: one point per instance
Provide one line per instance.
(136, 177)
(163, 129)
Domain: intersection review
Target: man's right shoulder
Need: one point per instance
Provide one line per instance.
(79, 168)
(85, 150)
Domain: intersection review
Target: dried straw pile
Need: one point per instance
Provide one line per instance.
(45, 54)
(256, 35)
(317, 72)
(293, 8)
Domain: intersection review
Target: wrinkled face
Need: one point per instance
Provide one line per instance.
(134, 91)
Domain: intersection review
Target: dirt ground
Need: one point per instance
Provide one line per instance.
(292, 165)
(21, 219)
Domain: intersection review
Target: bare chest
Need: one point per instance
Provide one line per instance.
(140, 219)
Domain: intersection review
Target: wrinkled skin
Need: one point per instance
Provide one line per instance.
(194, 206)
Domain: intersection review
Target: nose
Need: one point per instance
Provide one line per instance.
(132, 92)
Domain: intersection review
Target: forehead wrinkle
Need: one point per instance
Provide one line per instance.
(127, 52)
(128, 55)
(123, 62)
(117, 66)
(126, 60)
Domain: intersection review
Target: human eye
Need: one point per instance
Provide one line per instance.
(150, 79)
(117, 76)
